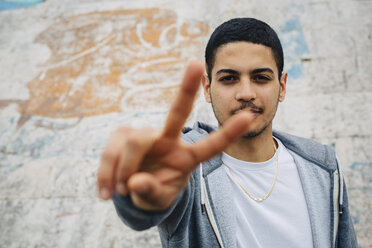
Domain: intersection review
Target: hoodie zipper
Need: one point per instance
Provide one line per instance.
(338, 195)
(207, 207)
(336, 192)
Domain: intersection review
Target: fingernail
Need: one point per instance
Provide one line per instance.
(121, 189)
(104, 193)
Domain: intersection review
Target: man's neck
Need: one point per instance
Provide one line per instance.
(254, 149)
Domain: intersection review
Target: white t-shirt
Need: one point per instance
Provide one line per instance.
(282, 220)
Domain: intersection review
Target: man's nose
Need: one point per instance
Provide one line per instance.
(246, 90)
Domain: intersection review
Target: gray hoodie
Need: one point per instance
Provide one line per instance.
(203, 216)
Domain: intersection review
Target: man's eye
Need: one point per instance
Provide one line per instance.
(261, 78)
(227, 79)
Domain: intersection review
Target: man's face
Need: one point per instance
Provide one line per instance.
(245, 78)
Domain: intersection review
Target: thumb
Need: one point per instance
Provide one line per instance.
(217, 141)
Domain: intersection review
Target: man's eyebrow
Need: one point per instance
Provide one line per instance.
(265, 69)
(229, 71)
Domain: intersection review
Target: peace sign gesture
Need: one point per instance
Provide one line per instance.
(153, 167)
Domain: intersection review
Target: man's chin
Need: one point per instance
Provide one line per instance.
(251, 135)
(254, 133)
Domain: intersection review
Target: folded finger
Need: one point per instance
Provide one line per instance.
(136, 146)
(150, 194)
(109, 160)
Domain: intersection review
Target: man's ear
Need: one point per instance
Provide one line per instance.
(206, 87)
(283, 85)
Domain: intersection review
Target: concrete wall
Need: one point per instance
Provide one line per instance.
(73, 71)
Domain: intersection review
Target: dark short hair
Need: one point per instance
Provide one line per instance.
(244, 29)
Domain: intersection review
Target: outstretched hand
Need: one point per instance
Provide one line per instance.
(153, 167)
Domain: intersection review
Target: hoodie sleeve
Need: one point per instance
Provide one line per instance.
(139, 219)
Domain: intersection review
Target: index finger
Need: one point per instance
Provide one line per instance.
(182, 105)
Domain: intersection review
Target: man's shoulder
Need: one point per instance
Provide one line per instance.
(197, 132)
(308, 149)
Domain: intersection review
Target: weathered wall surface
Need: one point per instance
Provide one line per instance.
(73, 71)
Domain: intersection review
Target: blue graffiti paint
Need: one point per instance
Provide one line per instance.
(15, 4)
(355, 220)
(300, 44)
(362, 213)
(291, 24)
(294, 46)
(295, 71)
(6, 170)
(363, 168)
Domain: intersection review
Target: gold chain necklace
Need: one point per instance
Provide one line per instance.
(246, 192)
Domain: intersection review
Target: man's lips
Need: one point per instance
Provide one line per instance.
(248, 106)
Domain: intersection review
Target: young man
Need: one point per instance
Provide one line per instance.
(242, 185)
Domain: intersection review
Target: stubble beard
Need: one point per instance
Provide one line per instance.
(253, 133)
